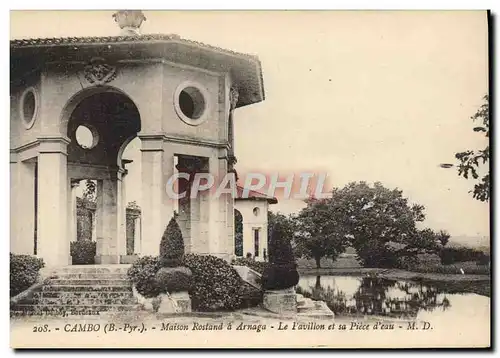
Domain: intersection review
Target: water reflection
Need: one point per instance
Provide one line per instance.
(374, 296)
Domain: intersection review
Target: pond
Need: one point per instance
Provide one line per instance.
(375, 296)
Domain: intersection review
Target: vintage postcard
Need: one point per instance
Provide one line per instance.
(270, 179)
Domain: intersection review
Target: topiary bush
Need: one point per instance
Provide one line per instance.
(172, 245)
(216, 284)
(83, 252)
(143, 275)
(174, 279)
(282, 271)
(24, 270)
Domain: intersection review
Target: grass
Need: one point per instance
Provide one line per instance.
(468, 267)
(348, 261)
(351, 265)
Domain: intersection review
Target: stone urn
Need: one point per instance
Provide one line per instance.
(129, 21)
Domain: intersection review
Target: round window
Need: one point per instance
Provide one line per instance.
(86, 137)
(29, 107)
(190, 103)
(256, 211)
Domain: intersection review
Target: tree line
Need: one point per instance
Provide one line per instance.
(379, 223)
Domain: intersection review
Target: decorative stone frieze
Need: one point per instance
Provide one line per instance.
(98, 72)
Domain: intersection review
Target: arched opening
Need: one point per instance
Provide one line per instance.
(238, 233)
(98, 127)
(101, 128)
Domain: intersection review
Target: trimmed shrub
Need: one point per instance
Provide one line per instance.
(484, 260)
(450, 255)
(280, 277)
(282, 271)
(258, 266)
(83, 252)
(143, 275)
(24, 270)
(174, 279)
(172, 245)
(216, 284)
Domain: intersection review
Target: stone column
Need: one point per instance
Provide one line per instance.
(73, 218)
(110, 222)
(99, 212)
(198, 243)
(214, 226)
(184, 218)
(22, 210)
(53, 243)
(200, 219)
(121, 207)
(94, 226)
(14, 207)
(157, 208)
(137, 235)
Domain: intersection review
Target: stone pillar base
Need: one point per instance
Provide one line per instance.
(128, 259)
(280, 301)
(107, 259)
(178, 302)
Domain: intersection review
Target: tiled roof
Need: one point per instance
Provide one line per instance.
(254, 195)
(57, 41)
(248, 69)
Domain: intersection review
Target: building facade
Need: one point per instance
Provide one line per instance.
(253, 210)
(177, 96)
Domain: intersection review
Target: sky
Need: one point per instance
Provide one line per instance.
(361, 95)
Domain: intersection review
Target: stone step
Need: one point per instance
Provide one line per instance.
(72, 309)
(306, 307)
(82, 290)
(83, 294)
(86, 288)
(65, 300)
(99, 269)
(89, 282)
(91, 276)
(305, 303)
(91, 270)
(314, 309)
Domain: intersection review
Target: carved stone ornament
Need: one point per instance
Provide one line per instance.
(98, 72)
(233, 97)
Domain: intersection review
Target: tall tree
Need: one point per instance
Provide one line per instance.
(238, 233)
(319, 230)
(472, 162)
(378, 222)
(381, 223)
(443, 237)
(281, 273)
(287, 224)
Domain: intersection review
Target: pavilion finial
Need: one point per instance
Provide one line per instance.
(129, 21)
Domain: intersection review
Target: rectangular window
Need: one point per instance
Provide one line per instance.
(256, 233)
